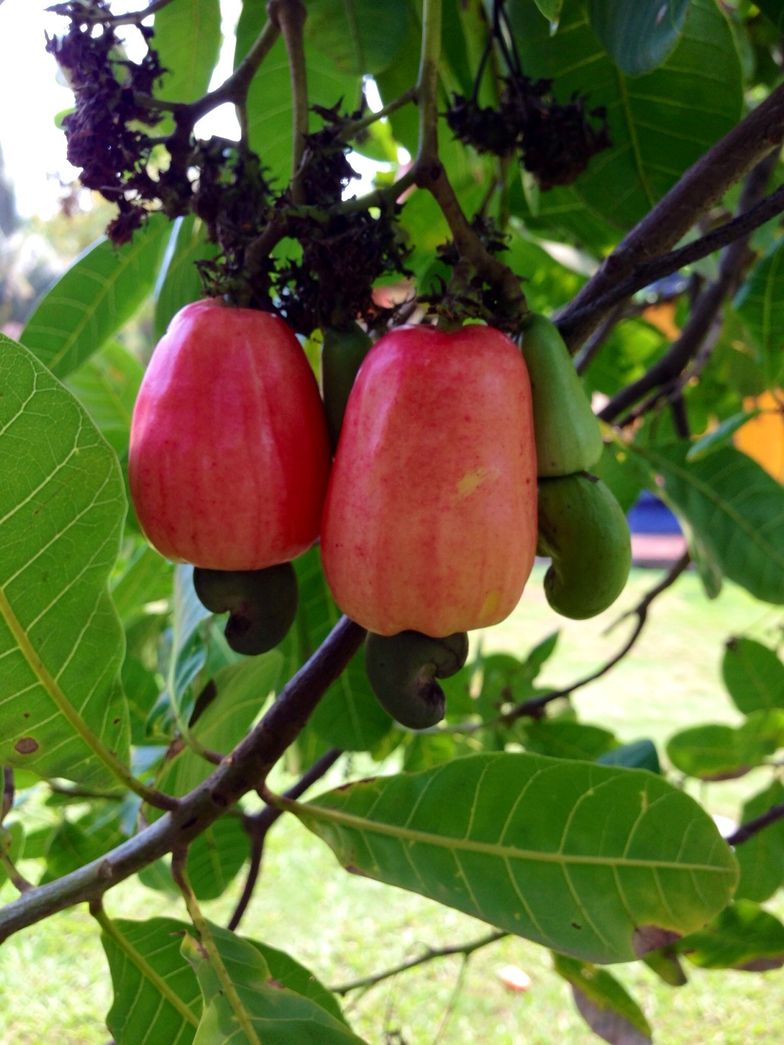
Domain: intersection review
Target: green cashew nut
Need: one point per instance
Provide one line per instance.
(583, 530)
(568, 436)
(342, 353)
(262, 604)
(402, 670)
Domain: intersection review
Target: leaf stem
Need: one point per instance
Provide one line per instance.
(202, 927)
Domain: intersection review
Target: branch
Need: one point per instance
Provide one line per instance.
(704, 322)
(533, 708)
(430, 954)
(245, 769)
(698, 189)
(650, 271)
(753, 827)
(258, 826)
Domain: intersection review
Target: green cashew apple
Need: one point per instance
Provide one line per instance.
(568, 437)
(402, 670)
(342, 353)
(583, 529)
(262, 604)
(430, 517)
(229, 453)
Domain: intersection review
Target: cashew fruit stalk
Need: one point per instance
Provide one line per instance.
(568, 436)
(583, 529)
(430, 517)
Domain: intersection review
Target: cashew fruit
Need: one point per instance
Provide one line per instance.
(568, 437)
(229, 452)
(430, 517)
(262, 604)
(402, 670)
(583, 530)
(342, 353)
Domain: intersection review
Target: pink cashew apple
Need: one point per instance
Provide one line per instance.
(430, 518)
(229, 454)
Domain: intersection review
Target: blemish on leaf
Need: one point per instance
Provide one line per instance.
(26, 745)
(650, 938)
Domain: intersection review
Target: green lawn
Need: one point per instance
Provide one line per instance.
(53, 978)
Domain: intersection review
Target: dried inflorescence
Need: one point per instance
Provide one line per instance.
(555, 141)
(105, 132)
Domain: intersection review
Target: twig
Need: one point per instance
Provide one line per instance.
(290, 16)
(753, 827)
(650, 271)
(129, 18)
(259, 824)
(245, 769)
(430, 954)
(532, 708)
(698, 189)
(703, 326)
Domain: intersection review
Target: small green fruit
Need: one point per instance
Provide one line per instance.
(402, 670)
(568, 437)
(583, 530)
(342, 353)
(262, 604)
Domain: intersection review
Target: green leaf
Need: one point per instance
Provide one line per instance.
(761, 857)
(720, 436)
(76, 843)
(659, 123)
(180, 282)
(753, 675)
(741, 937)
(359, 37)
(147, 578)
(603, 1002)
(239, 692)
(61, 646)
(94, 298)
(349, 716)
(269, 97)
(774, 10)
(719, 752)
(156, 993)
(561, 738)
(638, 754)
(734, 508)
(288, 972)
(187, 39)
(156, 996)
(573, 855)
(276, 1014)
(106, 385)
(638, 34)
(551, 9)
(760, 304)
(216, 856)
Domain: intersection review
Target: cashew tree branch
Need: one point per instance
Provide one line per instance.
(244, 770)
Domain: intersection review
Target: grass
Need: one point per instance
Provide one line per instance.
(54, 983)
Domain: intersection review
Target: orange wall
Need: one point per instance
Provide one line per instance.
(763, 436)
